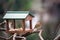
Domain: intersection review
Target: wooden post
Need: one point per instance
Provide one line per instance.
(30, 24)
(14, 23)
(23, 25)
(7, 24)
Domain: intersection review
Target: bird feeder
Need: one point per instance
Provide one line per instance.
(12, 16)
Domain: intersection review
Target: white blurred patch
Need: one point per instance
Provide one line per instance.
(45, 18)
(27, 24)
(35, 20)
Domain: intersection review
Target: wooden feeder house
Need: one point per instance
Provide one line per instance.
(12, 16)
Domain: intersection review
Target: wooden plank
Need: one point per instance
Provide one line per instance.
(23, 25)
(20, 31)
(14, 23)
(7, 25)
(30, 24)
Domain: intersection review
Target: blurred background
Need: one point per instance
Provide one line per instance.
(45, 11)
(16, 4)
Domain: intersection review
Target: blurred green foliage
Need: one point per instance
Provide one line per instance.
(33, 36)
(18, 23)
(47, 33)
(19, 4)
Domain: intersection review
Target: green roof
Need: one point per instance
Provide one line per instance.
(16, 14)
